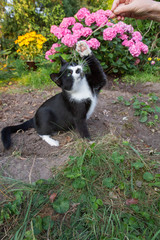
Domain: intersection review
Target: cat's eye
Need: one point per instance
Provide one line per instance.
(78, 70)
(69, 73)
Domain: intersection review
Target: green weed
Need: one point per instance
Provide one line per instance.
(147, 110)
(96, 196)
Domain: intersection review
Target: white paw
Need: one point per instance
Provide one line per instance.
(50, 140)
(83, 49)
(56, 143)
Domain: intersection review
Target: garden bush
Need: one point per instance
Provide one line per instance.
(118, 47)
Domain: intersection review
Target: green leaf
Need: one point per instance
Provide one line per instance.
(37, 225)
(79, 183)
(47, 223)
(148, 176)
(95, 206)
(107, 182)
(156, 184)
(127, 103)
(117, 158)
(138, 165)
(61, 205)
(110, 55)
(143, 119)
(99, 202)
(115, 70)
(80, 161)
(157, 109)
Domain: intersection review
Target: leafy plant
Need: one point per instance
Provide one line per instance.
(144, 109)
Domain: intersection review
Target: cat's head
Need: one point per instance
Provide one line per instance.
(69, 77)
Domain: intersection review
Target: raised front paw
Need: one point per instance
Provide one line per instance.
(83, 49)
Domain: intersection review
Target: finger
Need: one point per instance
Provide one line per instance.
(127, 2)
(123, 9)
(112, 15)
(115, 4)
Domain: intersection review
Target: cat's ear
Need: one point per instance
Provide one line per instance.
(55, 78)
(63, 62)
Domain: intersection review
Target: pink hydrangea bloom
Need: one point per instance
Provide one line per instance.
(101, 19)
(101, 12)
(135, 50)
(128, 43)
(66, 22)
(52, 51)
(60, 32)
(82, 13)
(119, 29)
(144, 48)
(77, 26)
(77, 34)
(109, 34)
(110, 24)
(93, 43)
(137, 61)
(108, 13)
(136, 36)
(55, 45)
(124, 37)
(47, 54)
(90, 19)
(53, 28)
(86, 31)
(127, 28)
(69, 40)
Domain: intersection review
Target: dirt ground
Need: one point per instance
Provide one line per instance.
(30, 158)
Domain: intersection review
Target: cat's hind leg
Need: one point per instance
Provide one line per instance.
(50, 140)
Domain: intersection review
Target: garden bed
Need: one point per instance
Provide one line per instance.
(30, 158)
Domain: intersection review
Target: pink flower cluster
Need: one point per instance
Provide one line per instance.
(131, 39)
(73, 29)
(52, 51)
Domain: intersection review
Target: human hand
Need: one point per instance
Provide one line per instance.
(131, 8)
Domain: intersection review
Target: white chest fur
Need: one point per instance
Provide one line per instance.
(80, 92)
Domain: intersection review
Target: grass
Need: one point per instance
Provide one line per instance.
(17, 71)
(141, 77)
(108, 190)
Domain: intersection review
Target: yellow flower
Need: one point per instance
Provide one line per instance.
(39, 46)
(30, 44)
(149, 59)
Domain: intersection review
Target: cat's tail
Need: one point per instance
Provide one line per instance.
(7, 131)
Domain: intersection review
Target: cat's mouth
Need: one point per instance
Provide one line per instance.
(82, 75)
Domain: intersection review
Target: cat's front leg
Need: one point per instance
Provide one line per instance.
(82, 128)
(83, 49)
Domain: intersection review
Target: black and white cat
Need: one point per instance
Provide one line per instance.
(72, 107)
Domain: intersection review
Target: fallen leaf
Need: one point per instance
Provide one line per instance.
(68, 139)
(131, 201)
(113, 195)
(52, 197)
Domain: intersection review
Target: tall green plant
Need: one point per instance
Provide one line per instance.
(70, 7)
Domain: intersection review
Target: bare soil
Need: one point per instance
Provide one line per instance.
(30, 158)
